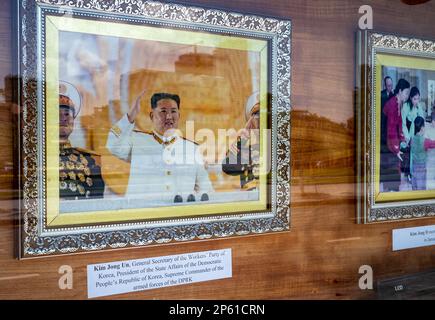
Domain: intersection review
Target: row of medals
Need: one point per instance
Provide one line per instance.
(83, 174)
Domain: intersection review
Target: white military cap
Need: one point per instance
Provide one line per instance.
(68, 92)
(253, 100)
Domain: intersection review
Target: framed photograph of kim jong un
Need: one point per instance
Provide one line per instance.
(396, 127)
(146, 123)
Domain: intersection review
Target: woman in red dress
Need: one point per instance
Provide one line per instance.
(391, 159)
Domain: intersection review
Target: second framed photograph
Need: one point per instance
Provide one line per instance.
(151, 123)
(396, 118)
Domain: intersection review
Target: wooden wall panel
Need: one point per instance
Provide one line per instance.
(321, 255)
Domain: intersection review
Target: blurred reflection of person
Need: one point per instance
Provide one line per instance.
(243, 155)
(392, 158)
(164, 165)
(79, 169)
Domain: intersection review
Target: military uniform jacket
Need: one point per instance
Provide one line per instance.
(79, 174)
(161, 169)
(248, 172)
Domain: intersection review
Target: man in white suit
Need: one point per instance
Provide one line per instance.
(165, 167)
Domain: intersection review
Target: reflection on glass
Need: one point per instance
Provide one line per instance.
(161, 123)
(407, 130)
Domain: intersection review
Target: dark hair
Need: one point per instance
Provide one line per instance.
(385, 80)
(418, 124)
(401, 85)
(160, 96)
(432, 116)
(414, 92)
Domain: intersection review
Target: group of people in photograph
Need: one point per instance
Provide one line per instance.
(405, 146)
(160, 166)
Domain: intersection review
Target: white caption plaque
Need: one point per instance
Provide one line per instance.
(111, 278)
(413, 237)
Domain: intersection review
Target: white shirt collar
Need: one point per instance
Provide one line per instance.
(165, 139)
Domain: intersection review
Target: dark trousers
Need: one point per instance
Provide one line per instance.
(405, 164)
(390, 171)
(406, 156)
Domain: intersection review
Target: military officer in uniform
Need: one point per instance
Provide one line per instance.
(243, 156)
(79, 169)
(165, 167)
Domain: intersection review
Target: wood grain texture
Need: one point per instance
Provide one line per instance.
(321, 255)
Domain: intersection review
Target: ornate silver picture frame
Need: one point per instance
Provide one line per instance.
(87, 129)
(394, 127)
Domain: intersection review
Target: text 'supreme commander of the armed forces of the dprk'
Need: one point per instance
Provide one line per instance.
(164, 165)
(79, 169)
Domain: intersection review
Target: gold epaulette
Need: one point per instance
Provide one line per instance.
(141, 131)
(116, 130)
(190, 141)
